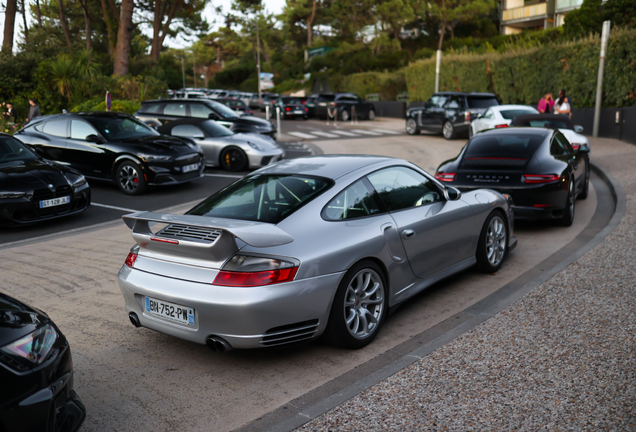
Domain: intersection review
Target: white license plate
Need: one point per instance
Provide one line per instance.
(170, 311)
(298, 112)
(191, 167)
(55, 202)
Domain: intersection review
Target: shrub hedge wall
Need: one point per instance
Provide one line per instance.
(524, 75)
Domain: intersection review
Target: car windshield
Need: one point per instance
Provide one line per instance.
(291, 101)
(263, 198)
(551, 124)
(326, 98)
(223, 110)
(511, 114)
(121, 128)
(481, 102)
(236, 103)
(214, 129)
(12, 150)
(518, 145)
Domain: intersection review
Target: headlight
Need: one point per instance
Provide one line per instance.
(34, 347)
(79, 182)
(254, 146)
(8, 195)
(154, 158)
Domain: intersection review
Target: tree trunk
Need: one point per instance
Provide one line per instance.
(441, 35)
(67, 34)
(160, 32)
(39, 13)
(396, 35)
(9, 26)
(109, 29)
(310, 23)
(87, 22)
(124, 35)
(264, 51)
(24, 20)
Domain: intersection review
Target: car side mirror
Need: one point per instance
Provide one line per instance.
(92, 138)
(213, 116)
(452, 194)
(578, 128)
(480, 115)
(584, 148)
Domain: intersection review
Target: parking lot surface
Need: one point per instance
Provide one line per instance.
(137, 379)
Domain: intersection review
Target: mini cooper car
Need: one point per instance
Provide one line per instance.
(305, 247)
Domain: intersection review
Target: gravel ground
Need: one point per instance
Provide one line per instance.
(561, 358)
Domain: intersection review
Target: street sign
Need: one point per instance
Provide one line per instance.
(109, 101)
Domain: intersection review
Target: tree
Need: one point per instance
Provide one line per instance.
(64, 22)
(124, 35)
(9, 26)
(622, 13)
(584, 20)
(87, 23)
(449, 13)
(395, 13)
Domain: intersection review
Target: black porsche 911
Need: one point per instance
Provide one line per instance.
(537, 168)
(115, 147)
(36, 372)
(34, 189)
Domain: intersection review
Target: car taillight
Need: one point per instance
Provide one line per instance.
(287, 109)
(445, 177)
(467, 116)
(501, 126)
(130, 259)
(251, 279)
(539, 178)
(575, 146)
(307, 109)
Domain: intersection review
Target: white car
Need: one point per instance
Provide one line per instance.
(572, 132)
(498, 116)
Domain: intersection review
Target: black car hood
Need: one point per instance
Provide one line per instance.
(252, 121)
(161, 144)
(17, 319)
(33, 174)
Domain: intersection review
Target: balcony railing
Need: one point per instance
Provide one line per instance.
(566, 4)
(527, 11)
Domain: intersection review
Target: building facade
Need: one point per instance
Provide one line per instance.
(519, 15)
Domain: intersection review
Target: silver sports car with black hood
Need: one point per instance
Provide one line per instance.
(305, 247)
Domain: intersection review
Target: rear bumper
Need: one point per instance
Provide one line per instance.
(244, 317)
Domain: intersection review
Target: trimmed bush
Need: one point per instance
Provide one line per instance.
(388, 84)
(124, 106)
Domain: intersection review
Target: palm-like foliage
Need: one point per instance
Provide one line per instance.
(63, 74)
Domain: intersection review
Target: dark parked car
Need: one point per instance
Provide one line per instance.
(115, 147)
(237, 105)
(537, 168)
(34, 189)
(36, 373)
(310, 104)
(449, 113)
(291, 107)
(346, 105)
(158, 112)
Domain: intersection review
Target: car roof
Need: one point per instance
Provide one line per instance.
(93, 114)
(557, 117)
(512, 106)
(330, 166)
(466, 94)
(517, 131)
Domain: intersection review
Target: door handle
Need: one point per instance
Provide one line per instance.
(407, 233)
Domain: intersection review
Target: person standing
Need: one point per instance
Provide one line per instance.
(34, 111)
(563, 104)
(546, 103)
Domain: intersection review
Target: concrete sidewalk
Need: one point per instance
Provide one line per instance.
(561, 358)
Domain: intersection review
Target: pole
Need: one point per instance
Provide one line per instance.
(277, 122)
(258, 62)
(194, 69)
(183, 71)
(438, 65)
(599, 83)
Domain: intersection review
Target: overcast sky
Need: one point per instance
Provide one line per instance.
(273, 6)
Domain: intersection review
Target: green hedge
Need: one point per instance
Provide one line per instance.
(388, 84)
(124, 106)
(524, 75)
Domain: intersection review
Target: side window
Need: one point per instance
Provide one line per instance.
(175, 109)
(401, 188)
(80, 130)
(453, 103)
(557, 148)
(563, 144)
(356, 201)
(189, 131)
(151, 108)
(489, 114)
(58, 128)
(199, 110)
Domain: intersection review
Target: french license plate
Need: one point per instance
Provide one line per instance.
(298, 112)
(55, 202)
(191, 167)
(170, 311)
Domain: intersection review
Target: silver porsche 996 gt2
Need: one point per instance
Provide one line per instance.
(305, 247)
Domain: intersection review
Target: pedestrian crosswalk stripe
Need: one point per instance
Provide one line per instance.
(387, 131)
(302, 135)
(365, 132)
(345, 133)
(325, 134)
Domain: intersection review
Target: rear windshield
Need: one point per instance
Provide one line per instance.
(291, 101)
(263, 198)
(326, 98)
(518, 145)
(481, 102)
(551, 124)
(511, 114)
(214, 129)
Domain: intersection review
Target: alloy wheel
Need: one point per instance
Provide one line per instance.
(411, 126)
(496, 241)
(129, 178)
(364, 303)
(448, 130)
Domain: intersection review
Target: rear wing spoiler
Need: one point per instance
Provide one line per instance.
(256, 234)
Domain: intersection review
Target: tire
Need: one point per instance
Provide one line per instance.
(568, 212)
(411, 126)
(233, 159)
(586, 186)
(130, 178)
(344, 116)
(492, 247)
(448, 130)
(371, 115)
(359, 301)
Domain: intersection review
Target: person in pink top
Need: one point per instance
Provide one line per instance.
(546, 103)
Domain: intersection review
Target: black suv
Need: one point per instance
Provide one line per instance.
(159, 112)
(345, 105)
(449, 113)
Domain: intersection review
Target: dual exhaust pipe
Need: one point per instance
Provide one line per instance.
(215, 343)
